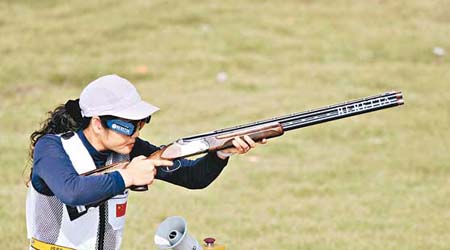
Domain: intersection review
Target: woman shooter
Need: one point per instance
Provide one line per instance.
(66, 210)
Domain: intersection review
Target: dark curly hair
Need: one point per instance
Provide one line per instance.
(64, 118)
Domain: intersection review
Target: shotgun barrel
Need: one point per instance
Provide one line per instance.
(343, 110)
(320, 115)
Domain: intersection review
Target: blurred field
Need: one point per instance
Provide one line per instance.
(377, 181)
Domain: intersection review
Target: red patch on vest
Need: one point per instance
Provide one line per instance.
(121, 209)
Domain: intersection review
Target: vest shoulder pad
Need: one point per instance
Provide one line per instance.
(67, 135)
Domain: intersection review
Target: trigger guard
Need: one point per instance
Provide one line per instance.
(169, 169)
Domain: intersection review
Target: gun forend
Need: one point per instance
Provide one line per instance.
(184, 148)
(257, 133)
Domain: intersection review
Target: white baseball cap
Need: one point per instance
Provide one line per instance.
(116, 96)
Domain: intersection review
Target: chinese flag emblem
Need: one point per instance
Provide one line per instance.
(121, 209)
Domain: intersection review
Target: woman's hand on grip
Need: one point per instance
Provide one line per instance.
(141, 171)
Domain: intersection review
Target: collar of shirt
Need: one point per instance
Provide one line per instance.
(99, 157)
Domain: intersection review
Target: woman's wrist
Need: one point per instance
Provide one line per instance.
(127, 178)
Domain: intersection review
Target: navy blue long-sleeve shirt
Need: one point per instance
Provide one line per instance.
(54, 174)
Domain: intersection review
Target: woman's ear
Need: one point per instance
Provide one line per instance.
(96, 125)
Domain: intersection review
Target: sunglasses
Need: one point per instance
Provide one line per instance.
(122, 126)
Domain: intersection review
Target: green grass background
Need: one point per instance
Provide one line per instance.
(377, 181)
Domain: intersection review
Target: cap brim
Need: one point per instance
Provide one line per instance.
(138, 111)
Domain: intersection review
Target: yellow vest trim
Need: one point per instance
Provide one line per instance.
(40, 245)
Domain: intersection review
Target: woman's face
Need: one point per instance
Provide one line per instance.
(116, 141)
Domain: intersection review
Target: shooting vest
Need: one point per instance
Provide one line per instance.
(81, 227)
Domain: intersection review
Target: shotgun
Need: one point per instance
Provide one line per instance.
(264, 129)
